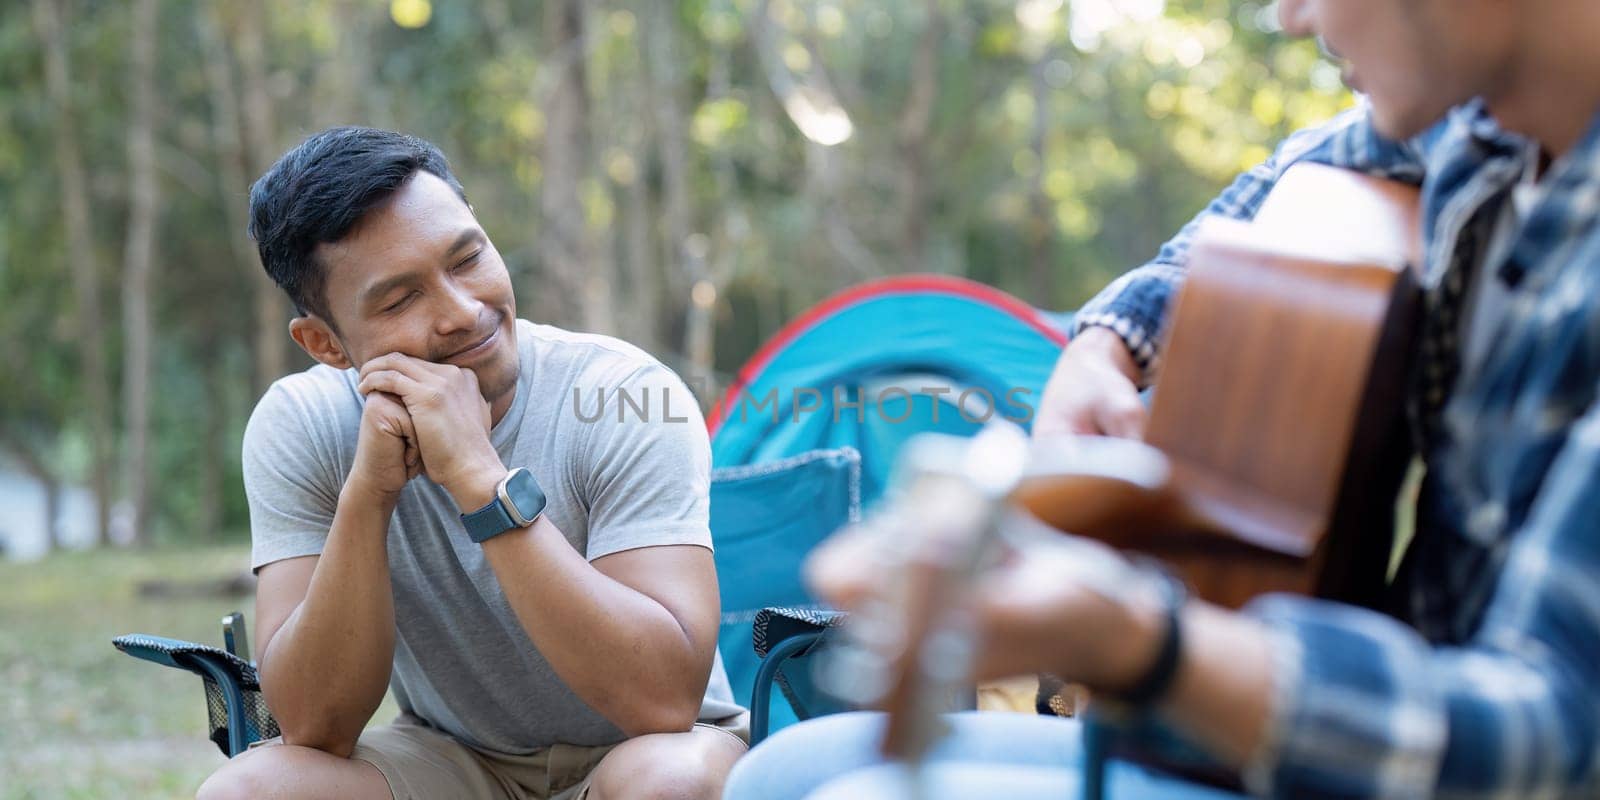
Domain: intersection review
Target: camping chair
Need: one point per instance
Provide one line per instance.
(764, 519)
(236, 712)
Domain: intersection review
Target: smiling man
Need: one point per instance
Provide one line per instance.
(428, 515)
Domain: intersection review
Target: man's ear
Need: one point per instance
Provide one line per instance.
(319, 341)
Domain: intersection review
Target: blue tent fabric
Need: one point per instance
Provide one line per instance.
(881, 362)
(764, 519)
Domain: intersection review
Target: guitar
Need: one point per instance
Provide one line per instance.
(1273, 452)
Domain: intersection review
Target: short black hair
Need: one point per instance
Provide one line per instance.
(319, 190)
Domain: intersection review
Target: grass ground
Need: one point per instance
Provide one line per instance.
(79, 719)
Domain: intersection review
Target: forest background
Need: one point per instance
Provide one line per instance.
(686, 175)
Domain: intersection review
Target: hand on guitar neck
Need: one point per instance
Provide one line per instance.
(1018, 608)
(949, 562)
(950, 583)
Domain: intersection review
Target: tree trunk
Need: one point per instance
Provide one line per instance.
(84, 260)
(849, 261)
(346, 91)
(648, 258)
(1041, 220)
(644, 287)
(916, 120)
(52, 513)
(575, 272)
(139, 262)
(677, 215)
(688, 278)
(228, 146)
(694, 279)
(232, 186)
(261, 150)
(214, 450)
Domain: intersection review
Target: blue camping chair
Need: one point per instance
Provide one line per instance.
(765, 518)
(236, 713)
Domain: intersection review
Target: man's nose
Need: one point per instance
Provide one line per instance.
(460, 310)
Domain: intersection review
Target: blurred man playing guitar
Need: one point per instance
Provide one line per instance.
(1486, 685)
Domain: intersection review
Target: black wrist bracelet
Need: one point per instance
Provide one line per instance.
(1158, 679)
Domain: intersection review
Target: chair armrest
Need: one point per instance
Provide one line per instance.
(238, 715)
(782, 635)
(188, 656)
(773, 625)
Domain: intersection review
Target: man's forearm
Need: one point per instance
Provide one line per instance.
(619, 650)
(326, 669)
(1223, 691)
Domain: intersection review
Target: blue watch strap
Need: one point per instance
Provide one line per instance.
(518, 501)
(488, 522)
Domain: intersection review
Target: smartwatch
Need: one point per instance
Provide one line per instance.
(517, 503)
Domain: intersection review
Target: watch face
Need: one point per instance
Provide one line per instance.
(524, 496)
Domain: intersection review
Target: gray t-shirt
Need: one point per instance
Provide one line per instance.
(619, 447)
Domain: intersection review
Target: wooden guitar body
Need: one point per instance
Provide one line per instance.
(1279, 400)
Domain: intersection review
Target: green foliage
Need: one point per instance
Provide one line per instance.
(1063, 144)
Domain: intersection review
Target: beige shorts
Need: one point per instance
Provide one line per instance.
(421, 762)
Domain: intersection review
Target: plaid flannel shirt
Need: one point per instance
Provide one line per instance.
(1493, 688)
